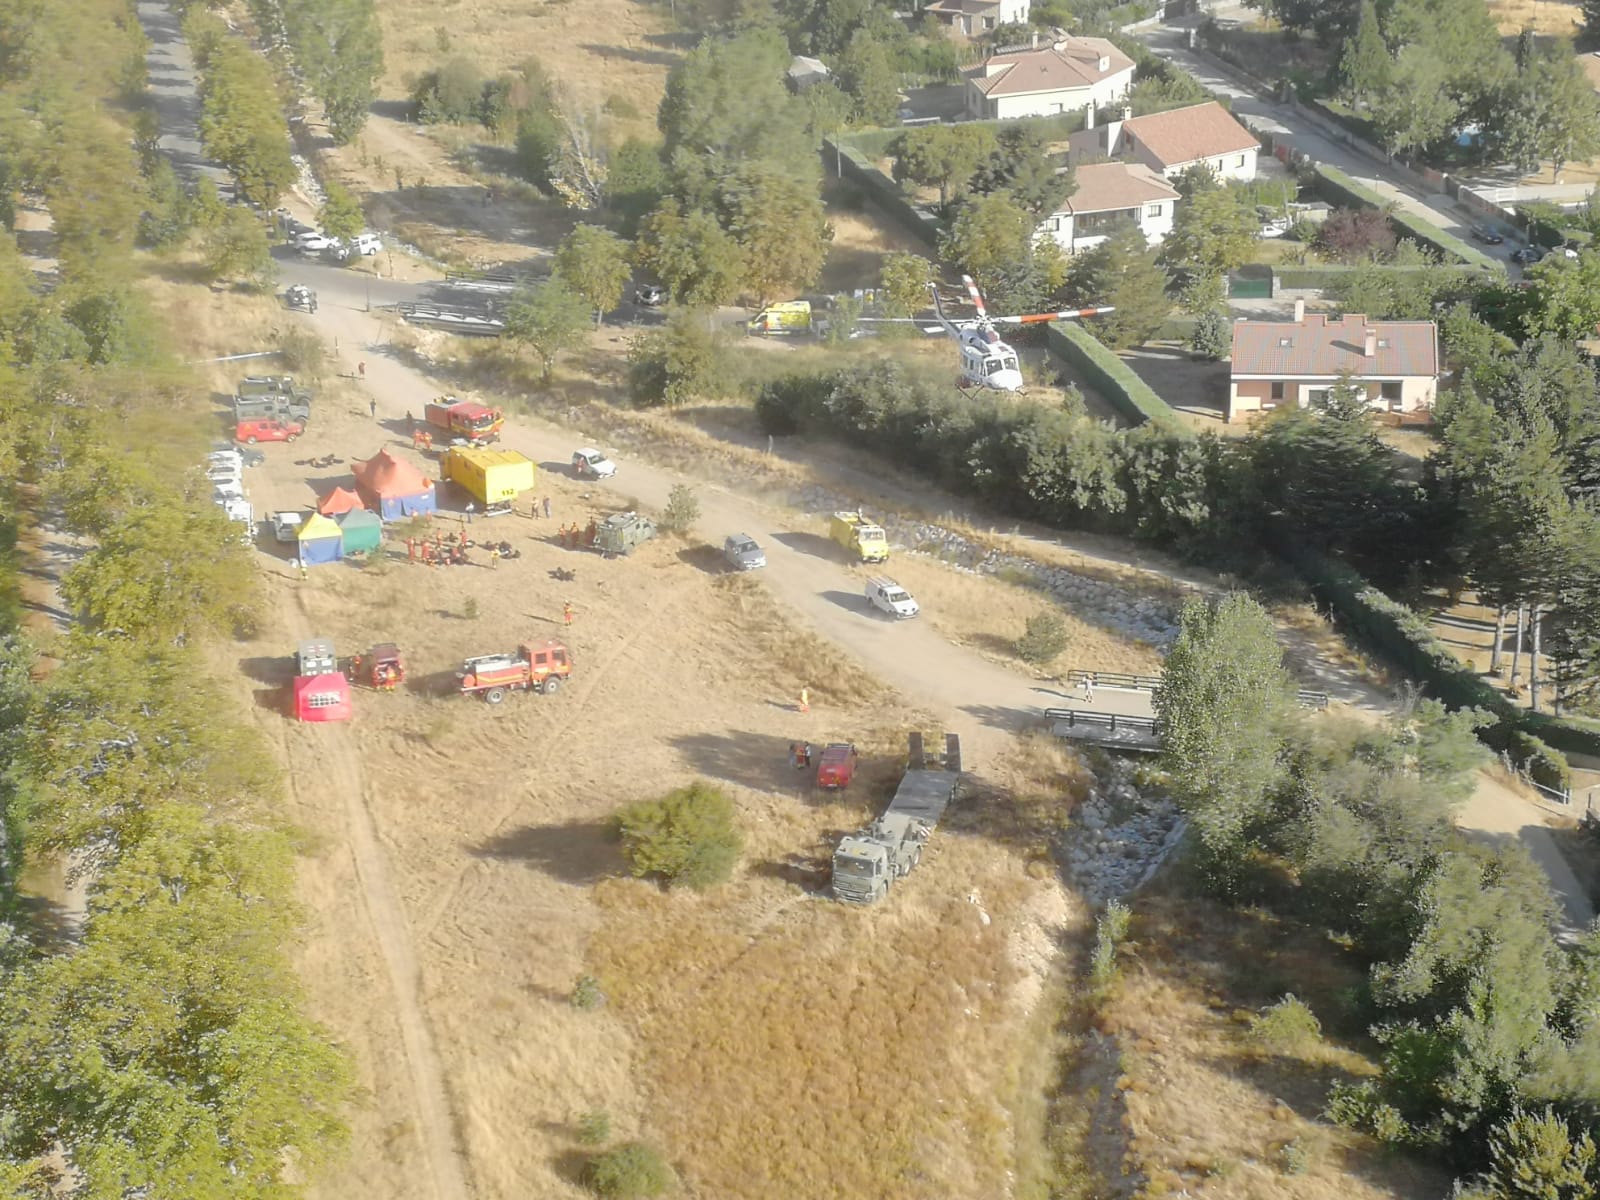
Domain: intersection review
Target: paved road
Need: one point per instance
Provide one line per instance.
(172, 84)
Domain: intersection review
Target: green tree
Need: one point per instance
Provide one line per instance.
(593, 262)
(449, 95)
(687, 837)
(682, 510)
(338, 46)
(238, 249)
(631, 1171)
(1567, 293)
(1213, 335)
(1223, 700)
(1043, 639)
(1213, 233)
(550, 319)
(1534, 1156)
(681, 362)
(1364, 62)
(341, 215)
(1571, 127)
(1023, 166)
(942, 156)
(726, 102)
(1122, 272)
(696, 260)
(166, 217)
(1414, 108)
(990, 233)
(868, 74)
(635, 183)
(903, 280)
(781, 227)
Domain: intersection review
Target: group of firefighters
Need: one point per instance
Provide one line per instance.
(573, 536)
(441, 550)
(387, 673)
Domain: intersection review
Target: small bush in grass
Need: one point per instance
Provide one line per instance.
(687, 837)
(469, 609)
(1287, 1027)
(594, 1128)
(1044, 637)
(633, 1169)
(621, 106)
(587, 994)
(1110, 931)
(1294, 1158)
(682, 510)
(303, 352)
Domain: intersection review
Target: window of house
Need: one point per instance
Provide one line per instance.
(1390, 389)
(1317, 397)
(1239, 162)
(1277, 390)
(1383, 343)
(1153, 210)
(1286, 341)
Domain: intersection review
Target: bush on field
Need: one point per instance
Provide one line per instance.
(687, 837)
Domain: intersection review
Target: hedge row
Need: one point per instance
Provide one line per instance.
(1339, 188)
(1329, 276)
(1537, 741)
(1110, 376)
(860, 169)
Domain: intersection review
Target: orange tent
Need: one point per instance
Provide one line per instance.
(393, 488)
(340, 500)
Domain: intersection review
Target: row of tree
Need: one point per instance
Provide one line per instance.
(241, 113)
(1489, 1029)
(161, 1048)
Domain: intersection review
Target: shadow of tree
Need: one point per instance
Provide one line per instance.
(748, 759)
(579, 852)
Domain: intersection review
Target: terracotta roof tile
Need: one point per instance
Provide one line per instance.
(1070, 65)
(1318, 347)
(1182, 135)
(1108, 187)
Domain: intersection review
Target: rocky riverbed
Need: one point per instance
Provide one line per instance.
(1121, 834)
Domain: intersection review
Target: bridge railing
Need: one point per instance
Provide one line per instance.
(1111, 722)
(1121, 681)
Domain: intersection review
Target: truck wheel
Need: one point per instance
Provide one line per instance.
(251, 440)
(551, 687)
(494, 695)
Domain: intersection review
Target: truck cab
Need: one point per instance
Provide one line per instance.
(888, 596)
(860, 535)
(860, 870)
(460, 418)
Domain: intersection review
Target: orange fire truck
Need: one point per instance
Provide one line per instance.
(541, 667)
(463, 419)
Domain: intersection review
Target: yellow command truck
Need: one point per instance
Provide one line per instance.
(494, 478)
(857, 534)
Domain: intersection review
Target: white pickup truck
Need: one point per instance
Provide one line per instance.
(888, 596)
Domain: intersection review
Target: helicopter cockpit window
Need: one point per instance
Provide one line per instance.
(991, 366)
(1009, 362)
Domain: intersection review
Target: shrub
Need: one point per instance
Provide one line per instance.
(1213, 335)
(303, 352)
(449, 95)
(1294, 1158)
(687, 837)
(634, 1169)
(469, 608)
(594, 1128)
(1110, 931)
(620, 106)
(1287, 1027)
(1535, 1155)
(682, 362)
(586, 994)
(682, 510)
(1545, 764)
(1044, 637)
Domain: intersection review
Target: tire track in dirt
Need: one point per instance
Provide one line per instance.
(340, 769)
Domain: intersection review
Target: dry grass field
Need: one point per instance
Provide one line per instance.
(1552, 18)
(1212, 1112)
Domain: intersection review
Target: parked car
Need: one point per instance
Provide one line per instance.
(743, 554)
(286, 526)
(267, 429)
(1486, 235)
(1527, 255)
(651, 295)
(837, 766)
(367, 243)
(888, 596)
(589, 463)
(314, 241)
(224, 473)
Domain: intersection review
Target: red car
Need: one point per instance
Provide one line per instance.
(267, 429)
(837, 767)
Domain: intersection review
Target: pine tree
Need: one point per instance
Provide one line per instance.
(1364, 65)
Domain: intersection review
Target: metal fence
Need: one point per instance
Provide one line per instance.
(1120, 681)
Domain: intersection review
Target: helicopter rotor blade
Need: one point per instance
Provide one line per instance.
(977, 296)
(1041, 318)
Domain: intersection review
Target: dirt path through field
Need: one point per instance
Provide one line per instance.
(338, 772)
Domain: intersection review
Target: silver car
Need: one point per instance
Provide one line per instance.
(743, 554)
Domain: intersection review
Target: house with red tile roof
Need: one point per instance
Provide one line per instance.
(972, 18)
(1041, 81)
(1109, 196)
(1171, 142)
(1277, 363)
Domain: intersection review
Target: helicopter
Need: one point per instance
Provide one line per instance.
(986, 360)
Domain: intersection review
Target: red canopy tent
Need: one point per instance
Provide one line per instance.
(340, 500)
(392, 487)
(322, 697)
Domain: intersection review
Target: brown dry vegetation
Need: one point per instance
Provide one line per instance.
(1208, 1110)
(1552, 18)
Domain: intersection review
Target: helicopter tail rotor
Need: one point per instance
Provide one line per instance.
(977, 296)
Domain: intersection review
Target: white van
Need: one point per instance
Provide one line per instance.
(888, 596)
(589, 463)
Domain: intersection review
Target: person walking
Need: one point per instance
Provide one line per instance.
(361, 368)
(411, 550)
(494, 556)
(805, 700)
(304, 574)
(1088, 689)
(566, 613)
(547, 508)
(471, 508)
(372, 408)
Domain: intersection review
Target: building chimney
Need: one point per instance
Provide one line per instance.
(1370, 350)
(1035, 39)
(1105, 63)
(1299, 311)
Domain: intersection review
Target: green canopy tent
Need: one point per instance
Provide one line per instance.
(362, 529)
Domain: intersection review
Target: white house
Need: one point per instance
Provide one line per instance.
(1173, 141)
(1071, 74)
(1109, 196)
(972, 18)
